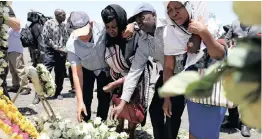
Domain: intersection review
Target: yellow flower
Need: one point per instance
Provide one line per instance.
(9, 114)
(14, 136)
(2, 104)
(11, 111)
(7, 129)
(19, 137)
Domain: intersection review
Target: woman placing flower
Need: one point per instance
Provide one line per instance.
(119, 55)
(185, 19)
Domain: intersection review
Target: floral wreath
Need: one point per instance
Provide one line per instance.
(12, 123)
(3, 41)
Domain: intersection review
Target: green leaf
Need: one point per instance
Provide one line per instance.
(251, 113)
(245, 54)
(203, 88)
(191, 84)
(177, 84)
(236, 90)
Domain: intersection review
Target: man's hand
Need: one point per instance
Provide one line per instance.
(81, 108)
(116, 111)
(128, 33)
(167, 107)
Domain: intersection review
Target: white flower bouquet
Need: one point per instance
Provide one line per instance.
(47, 80)
(64, 128)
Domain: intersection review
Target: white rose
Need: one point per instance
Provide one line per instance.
(58, 116)
(1, 70)
(73, 132)
(123, 135)
(112, 137)
(88, 137)
(113, 129)
(56, 125)
(35, 119)
(48, 85)
(2, 54)
(40, 126)
(50, 76)
(103, 128)
(69, 125)
(96, 132)
(69, 133)
(5, 27)
(57, 133)
(50, 133)
(43, 135)
(61, 125)
(67, 65)
(64, 134)
(50, 92)
(4, 64)
(1, 81)
(4, 44)
(83, 127)
(44, 118)
(6, 9)
(97, 121)
(47, 126)
(88, 126)
(44, 77)
(41, 66)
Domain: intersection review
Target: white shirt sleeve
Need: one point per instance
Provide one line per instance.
(172, 45)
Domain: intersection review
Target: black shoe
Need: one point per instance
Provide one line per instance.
(36, 100)
(13, 89)
(59, 97)
(245, 131)
(26, 91)
(230, 125)
(72, 91)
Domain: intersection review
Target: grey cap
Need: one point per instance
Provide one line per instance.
(143, 7)
(79, 19)
(80, 22)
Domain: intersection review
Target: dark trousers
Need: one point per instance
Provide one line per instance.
(57, 61)
(71, 77)
(4, 84)
(103, 98)
(161, 128)
(233, 115)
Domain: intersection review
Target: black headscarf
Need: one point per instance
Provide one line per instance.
(121, 19)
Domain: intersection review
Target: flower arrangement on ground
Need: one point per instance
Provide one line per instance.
(13, 125)
(64, 128)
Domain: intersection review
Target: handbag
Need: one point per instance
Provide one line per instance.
(132, 112)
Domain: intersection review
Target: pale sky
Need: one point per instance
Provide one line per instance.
(223, 9)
